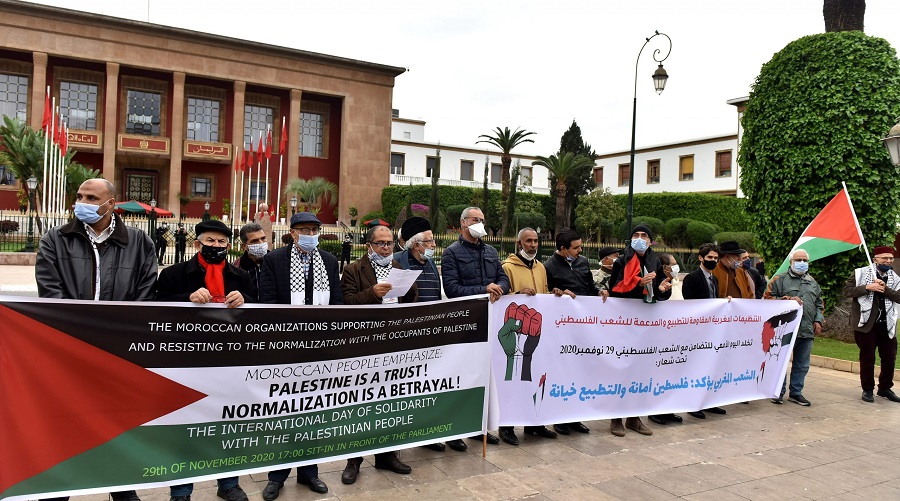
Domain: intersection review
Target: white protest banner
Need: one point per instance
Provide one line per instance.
(559, 360)
(108, 396)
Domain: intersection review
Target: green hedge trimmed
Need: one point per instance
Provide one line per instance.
(723, 211)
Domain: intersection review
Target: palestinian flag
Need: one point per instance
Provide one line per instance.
(834, 230)
(538, 396)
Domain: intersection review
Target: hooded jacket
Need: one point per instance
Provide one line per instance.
(522, 277)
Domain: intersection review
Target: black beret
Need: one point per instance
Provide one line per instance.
(605, 251)
(213, 225)
(414, 226)
(304, 218)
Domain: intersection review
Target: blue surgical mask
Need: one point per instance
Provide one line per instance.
(884, 268)
(87, 213)
(380, 260)
(429, 254)
(800, 267)
(639, 244)
(307, 243)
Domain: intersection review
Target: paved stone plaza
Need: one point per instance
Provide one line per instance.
(839, 448)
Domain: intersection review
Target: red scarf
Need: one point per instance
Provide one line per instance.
(215, 281)
(631, 276)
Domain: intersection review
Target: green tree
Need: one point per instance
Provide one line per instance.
(815, 117)
(311, 191)
(505, 140)
(562, 166)
(843, 15)
(510, 229)
(597, 212)
(582, 181)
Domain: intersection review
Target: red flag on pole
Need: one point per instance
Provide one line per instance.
(245, 160)
(283, 138)
(57, 134)
(250, 155)
(238, 165)
(64, 139)
(259, 150)
(268, 144)
(48, 114)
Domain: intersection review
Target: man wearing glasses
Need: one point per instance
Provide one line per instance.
(798, 285)
(873, 318)
(365, 282)
(470, 267)
(299, 274)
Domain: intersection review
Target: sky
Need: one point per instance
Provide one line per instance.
(474, 65)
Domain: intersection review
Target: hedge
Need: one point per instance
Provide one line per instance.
(723, 211)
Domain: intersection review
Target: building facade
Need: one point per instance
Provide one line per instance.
(162, 112)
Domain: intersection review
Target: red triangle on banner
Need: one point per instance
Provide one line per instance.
(62, 396)
(836, 222)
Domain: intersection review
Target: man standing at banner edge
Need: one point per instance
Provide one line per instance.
(875, 292)
(207, 278)
(96, 257)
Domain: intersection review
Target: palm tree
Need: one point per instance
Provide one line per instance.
(563, 166)
(310, 191)
(505, 140)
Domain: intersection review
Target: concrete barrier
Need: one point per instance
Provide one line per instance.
(17, 258)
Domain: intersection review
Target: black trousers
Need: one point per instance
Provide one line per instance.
(887, 350)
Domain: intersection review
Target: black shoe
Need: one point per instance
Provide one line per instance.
(315, 484)
(270, 493)
(179, 498)
(491, 439)
(351, 471)
(716, 410)
(457, 445)
(439, 447)
(867, 396)
(509, 436)
(579, 427)
(888, 394)
(540, 431)
(779, 400)
(697, 414)
(121, 496)
(392, 463)
(658, 418)
(561, 429)
(799, 400)
(675, 418)
(233, 494)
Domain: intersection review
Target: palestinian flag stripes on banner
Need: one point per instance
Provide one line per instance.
(834, 230)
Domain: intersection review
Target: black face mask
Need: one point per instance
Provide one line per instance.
(884, 268)
(213, 255)
(710, 265)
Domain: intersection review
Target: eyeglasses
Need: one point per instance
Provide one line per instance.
(476, 219)
(306, 231)
(382, 245)
(885, 259)
(800, 260)
(429, 241)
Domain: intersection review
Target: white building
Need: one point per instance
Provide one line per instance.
(705, 165)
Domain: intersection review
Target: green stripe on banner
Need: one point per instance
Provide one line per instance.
(163, 453)
(817, 248)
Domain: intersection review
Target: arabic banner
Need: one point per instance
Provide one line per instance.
(101, 397)
(558, 360)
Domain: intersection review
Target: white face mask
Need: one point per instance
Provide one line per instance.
(477, 230)
(675, 269)
(428, 254)
(258, 250)
(527, 256)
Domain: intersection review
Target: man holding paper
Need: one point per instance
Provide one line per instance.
(365, 282)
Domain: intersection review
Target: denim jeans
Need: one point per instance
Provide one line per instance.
(799, 366)
(187, 489)
(308, 471)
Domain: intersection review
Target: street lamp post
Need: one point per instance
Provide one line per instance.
(293, 205)
(659, 83)
(152, 219)
(892, 143)
(206, 211)
(32, 184)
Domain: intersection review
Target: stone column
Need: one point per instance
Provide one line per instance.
(237, 141)
(38, 89)
(293, 132)
(176, 140)
(111, 95)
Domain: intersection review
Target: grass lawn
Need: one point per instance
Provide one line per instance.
(832, 348)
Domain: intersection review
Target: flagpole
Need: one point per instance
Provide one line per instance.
(858, 229)
(268, 154)
(250, 177)
(258, 172)
(233, 186)
(280, 162)
(46, 157)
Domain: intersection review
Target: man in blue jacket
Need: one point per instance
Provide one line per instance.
(470, 267)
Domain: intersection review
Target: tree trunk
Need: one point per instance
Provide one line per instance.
(844, 15)
(560, 205)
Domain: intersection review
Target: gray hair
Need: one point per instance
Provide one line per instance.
(465, 212)
(795, 251)
(370, 235)
(521, 233)
(249, 228)
(415, 239)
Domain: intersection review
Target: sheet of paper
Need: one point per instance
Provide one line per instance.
(401, 281)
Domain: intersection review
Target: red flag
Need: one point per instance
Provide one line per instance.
(631, 276)
(268, 144)
(57, 134)
(245, 160)
(259, 150)
(237, 162)
(48, 114)
(283, 138)
(250, 155)
(64, 139)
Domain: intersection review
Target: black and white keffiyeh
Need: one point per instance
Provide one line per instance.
(866, 276)
(301, 264)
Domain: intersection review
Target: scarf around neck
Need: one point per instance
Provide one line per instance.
(215, 280)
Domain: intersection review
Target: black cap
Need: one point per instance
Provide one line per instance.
(414, 226)
(605, 251)
(213, 225)
(730, 247)
(644, 228)
(304, 218)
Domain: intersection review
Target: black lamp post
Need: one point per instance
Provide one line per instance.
(152, 219)
(206, 211)
(32, 184)
(293, 203)
(659, 83)
(892, 143)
